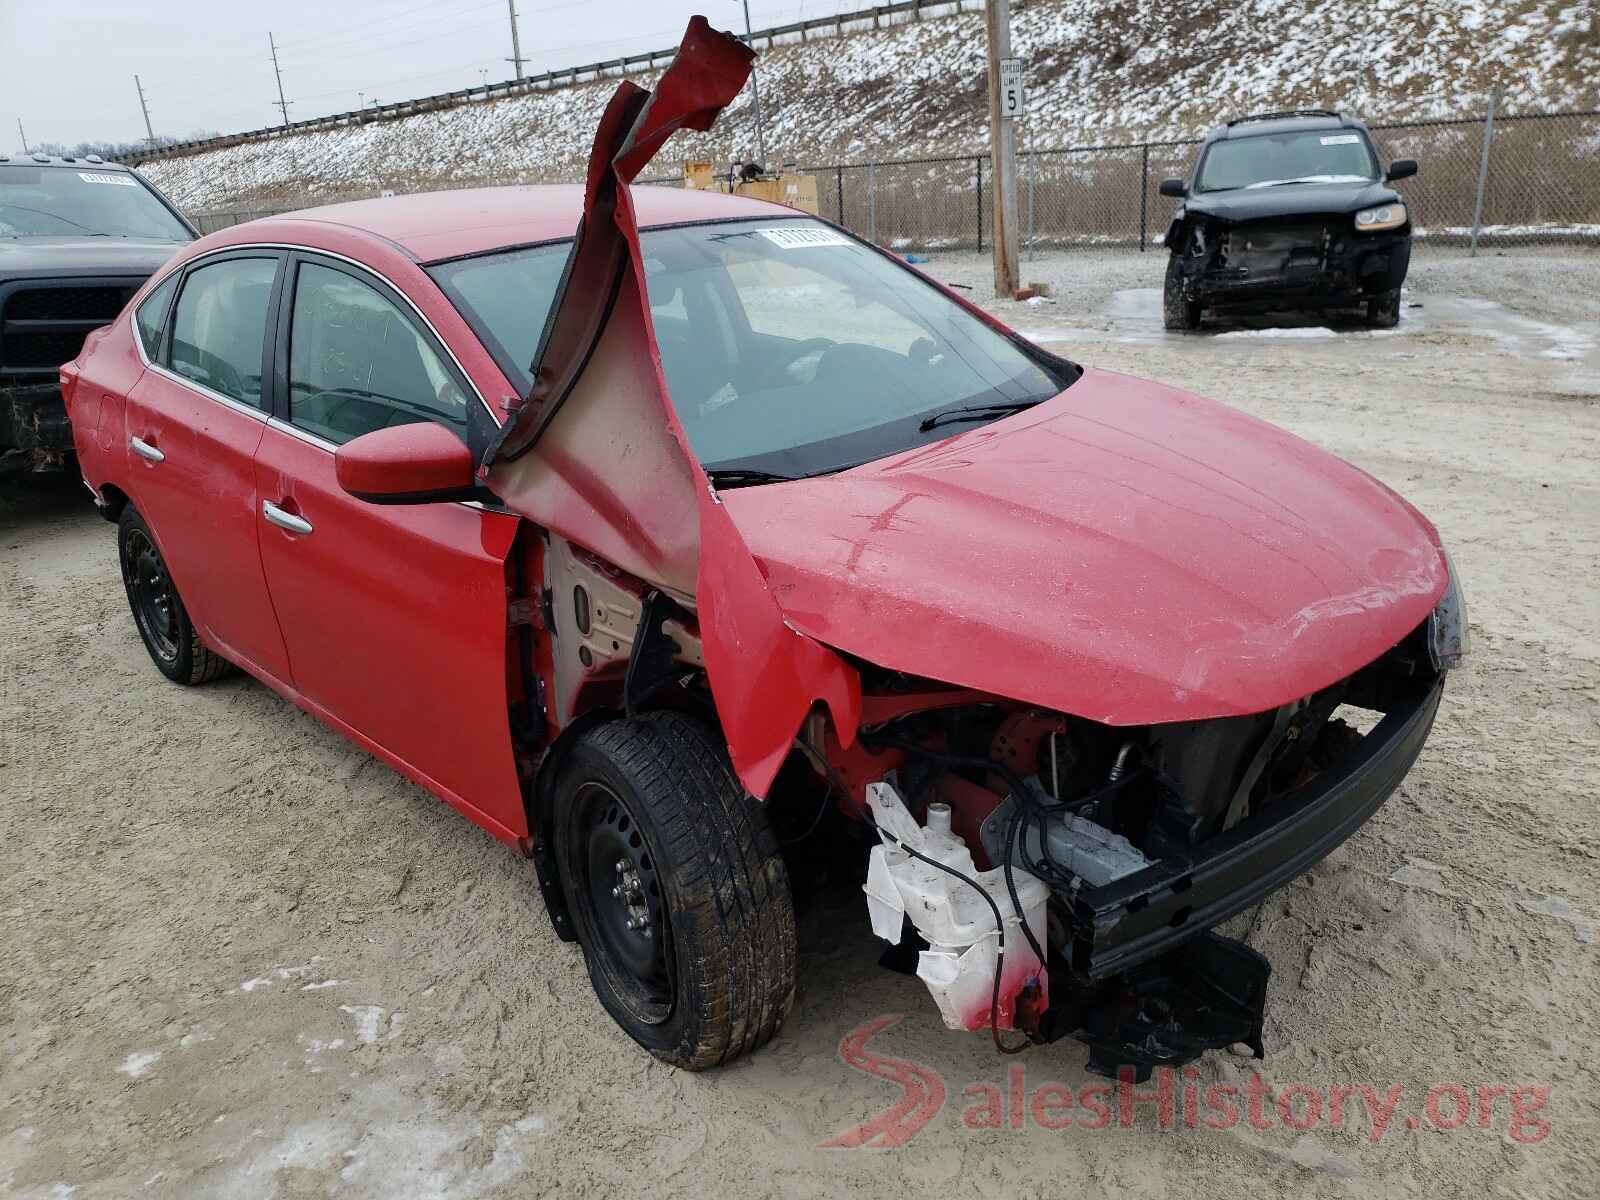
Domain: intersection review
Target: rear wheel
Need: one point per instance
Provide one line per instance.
(1177, 311)
(1383, 310)
(158, 611)
(677, 892)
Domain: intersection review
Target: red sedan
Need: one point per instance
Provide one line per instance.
(602, 512)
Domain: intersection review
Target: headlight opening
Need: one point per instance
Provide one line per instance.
(1383, 216)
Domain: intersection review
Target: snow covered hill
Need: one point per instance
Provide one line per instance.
(1098, 71)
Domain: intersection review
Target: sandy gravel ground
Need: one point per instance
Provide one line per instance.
(240, 958)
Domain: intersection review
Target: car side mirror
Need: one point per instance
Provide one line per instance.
(1174, 188)
(420, 463)
(1402, 168)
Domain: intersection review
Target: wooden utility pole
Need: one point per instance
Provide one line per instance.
(1004, 108)
(516, 60)
(283, 105)
(149, 133)
(755, 91)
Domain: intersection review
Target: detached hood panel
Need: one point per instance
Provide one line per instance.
(1125, 552)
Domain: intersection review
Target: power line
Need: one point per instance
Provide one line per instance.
(366, 32)
(385, 49)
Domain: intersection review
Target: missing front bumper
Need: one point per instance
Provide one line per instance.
(33, 423)
(1135, 919)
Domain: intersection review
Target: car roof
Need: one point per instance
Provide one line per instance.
(50, 160)
(434, 226)
(1283, 122)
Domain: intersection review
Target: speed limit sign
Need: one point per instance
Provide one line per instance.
(1011, 97)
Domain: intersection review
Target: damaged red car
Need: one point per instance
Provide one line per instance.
(605, 513)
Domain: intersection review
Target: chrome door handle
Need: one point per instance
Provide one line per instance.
(284, 520)
(145, 450)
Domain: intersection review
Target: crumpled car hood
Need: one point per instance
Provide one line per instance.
(1250, 204)
(1126, 552)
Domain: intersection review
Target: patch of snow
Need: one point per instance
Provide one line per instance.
(137, 1063)
(370, 1023)
(1295, 331)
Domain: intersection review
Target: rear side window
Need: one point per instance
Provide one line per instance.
(152, 315)
(356, 363)
(219, 327)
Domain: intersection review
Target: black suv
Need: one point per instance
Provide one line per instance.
(1288, 210)
(77, 238)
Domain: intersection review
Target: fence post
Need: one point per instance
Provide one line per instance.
(872, 203)
(1483, 168)
(978, 158)
(1032, 158)
(1144, 192)
(839, 179)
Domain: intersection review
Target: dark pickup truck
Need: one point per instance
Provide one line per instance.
(77, 238)
(1289, 210)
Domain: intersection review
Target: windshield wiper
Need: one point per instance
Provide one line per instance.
(744, 476)
(975, 412)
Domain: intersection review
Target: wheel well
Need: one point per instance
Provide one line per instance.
(541, 817)
(114, 500)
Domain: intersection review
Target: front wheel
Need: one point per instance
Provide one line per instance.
(1178, 313)
(1383, 310)
(677, 892)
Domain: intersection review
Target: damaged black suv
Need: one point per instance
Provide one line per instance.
(78, 236)
(1288, 210)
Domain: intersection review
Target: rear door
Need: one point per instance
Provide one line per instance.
(394, 616)
(193, 424)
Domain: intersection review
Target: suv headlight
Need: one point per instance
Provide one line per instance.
(1385, 216)
(1447, 625)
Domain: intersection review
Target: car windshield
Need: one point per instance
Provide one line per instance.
(51, 201)
(788, 347)
(1273, 159)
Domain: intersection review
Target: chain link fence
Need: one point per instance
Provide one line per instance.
(1494, 179)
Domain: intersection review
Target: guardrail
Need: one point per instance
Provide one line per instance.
(562, 77)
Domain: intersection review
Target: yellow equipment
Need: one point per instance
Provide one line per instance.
(750, 179)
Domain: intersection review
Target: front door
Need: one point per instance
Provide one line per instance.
(394, 615)
(194, 422)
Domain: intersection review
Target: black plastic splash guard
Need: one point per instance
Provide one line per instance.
(1206, 994)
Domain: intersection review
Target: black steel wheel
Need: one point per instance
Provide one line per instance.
(628, 923)
(150, 592)
(158, 612)
(676, 889)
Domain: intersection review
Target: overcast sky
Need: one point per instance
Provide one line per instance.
(67, 66)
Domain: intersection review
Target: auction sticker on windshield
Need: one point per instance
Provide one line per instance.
(1341, 139)
(107, 177)
(797, 237)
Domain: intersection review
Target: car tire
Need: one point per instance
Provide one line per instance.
(1383, 310)
(158, 612)
(652, 825)
(1177, 312)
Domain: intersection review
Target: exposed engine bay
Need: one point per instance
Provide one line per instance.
(1311, 260)
(1043, 874)
(1058, 875)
